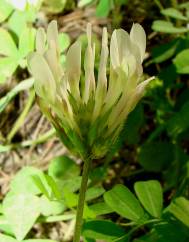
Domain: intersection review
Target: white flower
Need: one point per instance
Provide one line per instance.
(89, 111)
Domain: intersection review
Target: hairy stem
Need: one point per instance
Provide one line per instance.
(80, 207)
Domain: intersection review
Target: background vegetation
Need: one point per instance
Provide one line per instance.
(39, 179)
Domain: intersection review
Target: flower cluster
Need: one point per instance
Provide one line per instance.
(89, 110)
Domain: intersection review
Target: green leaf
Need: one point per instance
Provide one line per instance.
(6, 238)
(88, 240)
(180, 209)
(168, 75)
(179, 122)
(5, 226)
(5, 10)
(54, 187)
(150, 195)
(71, 185)
(39, 240)
(48, 207)
(26, 45)
(21, 211)
(19, 20)
(59, 218)
(7, 47)
(62, 167)
(102, 230)
(103, 8)
(64, 41)
(173, 13)
(123, 201)
(156, 156)
(26, 174)
(94, 192)
(121, 2)
(24, 85)
(98, 174)
(100, 208)
(41, 186)
(181, 62)
(7, 67)
(184, 5)
(167, 27)
(165, 51)
(88, 213)
(1, 208)
(168, 231)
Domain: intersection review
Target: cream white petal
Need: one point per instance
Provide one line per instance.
(101, 89)
(52, 34)
(54, 63)
(44, 81)
(114, 118)
(138, 36)
(89, 66)
(120, 47)
(29, 57)
(135, 50)
(73, 68)
(40, 40)
(138, 93)
(102, 79)
(126, 104)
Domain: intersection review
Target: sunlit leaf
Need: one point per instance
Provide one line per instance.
(6, 238)
(5, 10)
(48, 207)
(103, 8)
(5, 226)
(123, 201)
(167, 27)
(64, 41)
(180, 209)
(21, 211)
(94, 192)
(181, 62)
(174, 13)
(26, 45)
(39, 240)
(26, 174)
(7, 67)
(100, 208)
(150, 195)
(7, 47)
(165, 51)
(63, 167)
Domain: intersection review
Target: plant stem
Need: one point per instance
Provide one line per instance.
(19, 122)
(80, 207)
(130, 233)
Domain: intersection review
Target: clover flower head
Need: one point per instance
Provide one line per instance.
(88, 110)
